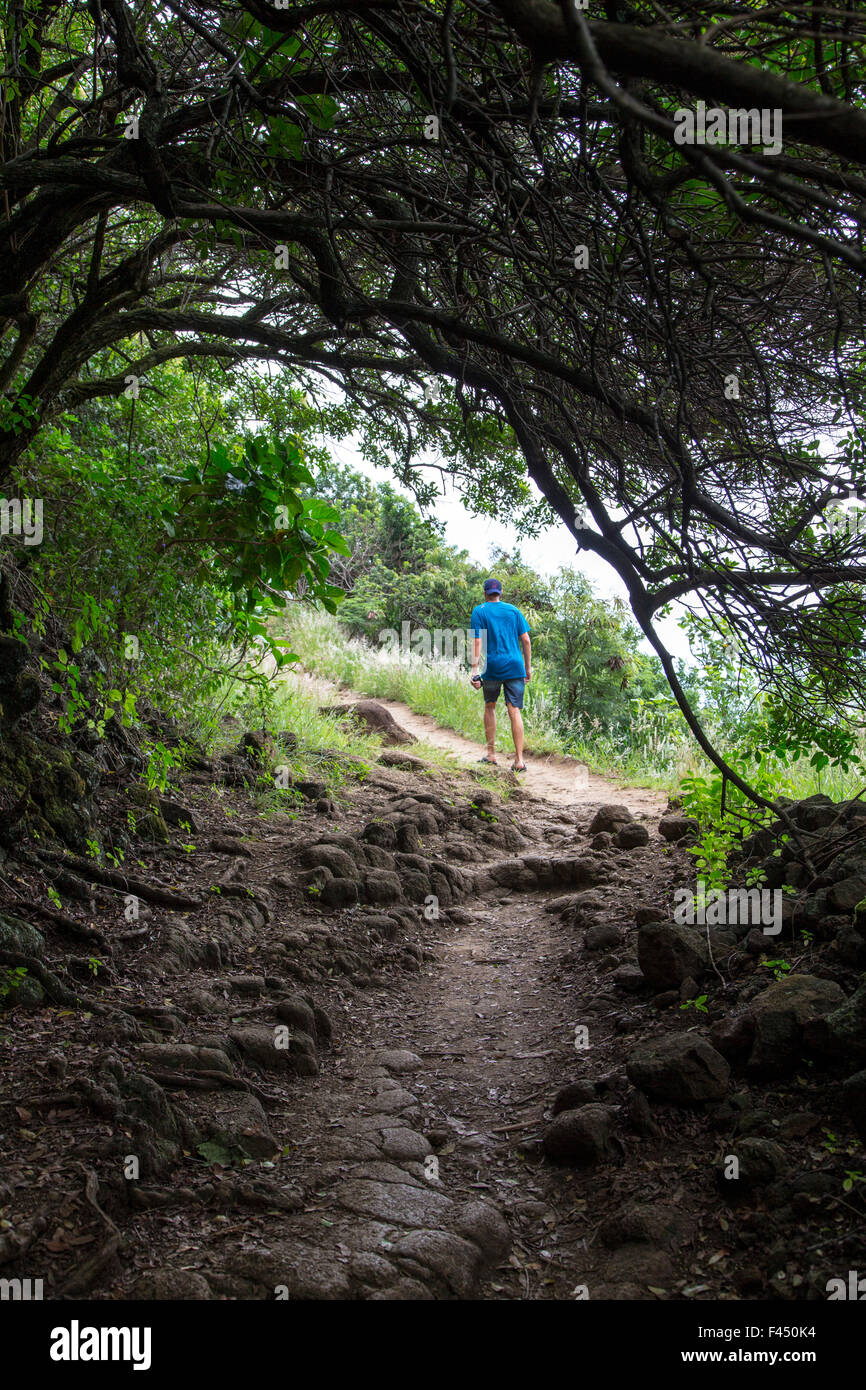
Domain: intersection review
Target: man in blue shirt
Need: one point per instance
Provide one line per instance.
(509, 664)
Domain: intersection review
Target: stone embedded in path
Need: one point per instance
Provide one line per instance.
(673, 828)
(639, 1265)
(399, 1060)
(173, 1284)
(602, 937)
(393, 1102)
(644, 913)
(609, 817)
(631, 836)
(668, 953)
(681, 1067)
(263, 1047)
(231, 1119)
(585, 907)
(381, 1170)
(485, 1226)
(453, 1259)
(301, 1267)
(405, 1145)
(582, 1136)
(329, 856)
(297, 1012)
(573, 1096)
(337, 893)
(246, 984)
(643, 1223)
(759, 1162)
(382, 886)
(186, 1057)
(401, 1203)
(627, 977)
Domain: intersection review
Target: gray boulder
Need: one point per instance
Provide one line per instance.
(668, 953)
(581, 1136)
(681, 1067)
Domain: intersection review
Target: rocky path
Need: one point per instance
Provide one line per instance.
(387, 1148)
(416, 1042)
(434, 1160)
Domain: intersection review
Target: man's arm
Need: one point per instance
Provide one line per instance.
(527, 653)
(475, 628)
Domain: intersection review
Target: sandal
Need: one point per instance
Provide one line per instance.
(522, 768)
(490, 761)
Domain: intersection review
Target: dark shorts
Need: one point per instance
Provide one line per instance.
(513, 691)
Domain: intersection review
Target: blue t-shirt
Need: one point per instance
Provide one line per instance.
(503, 624)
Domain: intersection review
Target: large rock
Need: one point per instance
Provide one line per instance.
(845, 895)
(681, 1067)
(574, 1095)
(779, 1016)
(397, 1203)
(609, 817)
(668, 954)
(329, 856)
(631, 836)
(298, 1013)
(281, 1049)
(375, 718)
(581, 1136)
(841, 1033)
(17, 935)
(759, 1162)
(673, 828)
(337, 893)
(382, 886)
(485, 1226)
(457, 1262)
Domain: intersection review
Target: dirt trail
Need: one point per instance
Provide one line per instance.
(398, 1120)
(561, 780)
(484, 1031)
(489, 1020)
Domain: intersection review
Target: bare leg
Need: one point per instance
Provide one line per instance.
(516, 733)
(490, 729)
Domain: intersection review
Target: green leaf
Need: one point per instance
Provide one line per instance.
(216, 1153)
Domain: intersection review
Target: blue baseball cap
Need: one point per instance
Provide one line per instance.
(492, 586)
